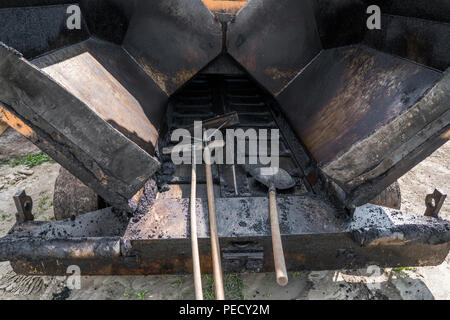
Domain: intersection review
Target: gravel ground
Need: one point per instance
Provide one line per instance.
(409, 283)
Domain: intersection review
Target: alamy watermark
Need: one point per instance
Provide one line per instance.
(73, 22)
(73, 281)
(374, 20)
(236, 146)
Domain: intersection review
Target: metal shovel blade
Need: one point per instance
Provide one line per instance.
(280, 179)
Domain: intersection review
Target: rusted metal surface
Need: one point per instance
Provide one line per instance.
(232, 6)
(106, 222)
(107, 19)
(434, 203)
(366, 118)
(360, 91)
(71, 133)
(264, 29)
(115, 164)
(95, 235)
(424, 150)
(104, 77)
(172, 40)
(17, 124)
(361, 123)
(424, 41)
(437, 10)
(31, 3)
(38, 29)
(407, 140)
(159, 242)
(44, 249)
(24, 207)
(342, 23)
(3, 127)
(223, 64)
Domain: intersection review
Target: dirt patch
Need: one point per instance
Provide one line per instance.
(432, 173)
(38, 182)
(13, 145)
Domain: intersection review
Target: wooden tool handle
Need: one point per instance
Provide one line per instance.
(277, 246)
(215, 246)
(194, 241)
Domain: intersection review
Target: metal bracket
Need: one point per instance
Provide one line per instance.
(24, 205)
(243, 257)
(434, 203)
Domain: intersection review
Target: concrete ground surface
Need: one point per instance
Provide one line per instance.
(400, 283)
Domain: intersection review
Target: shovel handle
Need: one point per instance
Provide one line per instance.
(194, 241)
(215, 246)
(277, 246)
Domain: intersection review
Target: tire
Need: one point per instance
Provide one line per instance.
(72, 197)
(391, 197)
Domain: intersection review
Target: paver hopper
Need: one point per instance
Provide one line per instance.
(355, 108)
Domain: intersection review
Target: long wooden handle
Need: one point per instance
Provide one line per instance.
(194, 241)
(215, 246)
(277, 246)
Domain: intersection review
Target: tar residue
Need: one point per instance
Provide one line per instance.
(63, 295)
(165, 173)
(158, 184)
(141, 207)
